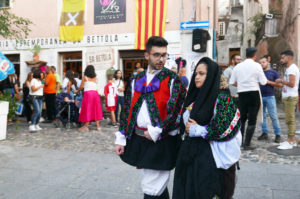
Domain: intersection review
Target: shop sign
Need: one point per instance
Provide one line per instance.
(100, 58)
(54, 42)
(109, 11)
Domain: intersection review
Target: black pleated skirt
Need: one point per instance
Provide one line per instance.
(143, 153)
(196, 174)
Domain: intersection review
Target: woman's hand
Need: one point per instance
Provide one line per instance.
(188, 125)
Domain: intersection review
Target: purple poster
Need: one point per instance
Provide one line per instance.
(109, 11)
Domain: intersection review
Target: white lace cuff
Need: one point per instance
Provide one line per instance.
(154, 132)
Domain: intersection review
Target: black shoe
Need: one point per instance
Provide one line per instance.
(249, 148)
(263, 136)
(249, 134)
(164, 195)
(277, 139)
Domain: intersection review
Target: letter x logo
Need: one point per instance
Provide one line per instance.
(72, 19)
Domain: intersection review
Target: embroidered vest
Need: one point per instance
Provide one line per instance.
(160, 100)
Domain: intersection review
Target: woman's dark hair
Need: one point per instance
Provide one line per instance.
(29, 76)
(180, 62)
(90, 71)
(70, 76)
(76, 75)
(115, 75)
(37, 73)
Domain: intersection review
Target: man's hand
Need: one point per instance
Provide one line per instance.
(119, 149)
(147, 135)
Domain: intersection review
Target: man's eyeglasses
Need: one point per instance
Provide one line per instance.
(158, 55)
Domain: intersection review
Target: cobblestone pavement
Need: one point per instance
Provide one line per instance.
(62, 138)
(103, 141)
(262, 154)
(59, 163)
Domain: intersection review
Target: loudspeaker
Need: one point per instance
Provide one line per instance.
(200, 38)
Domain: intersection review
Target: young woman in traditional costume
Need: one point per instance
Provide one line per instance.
(205, 166)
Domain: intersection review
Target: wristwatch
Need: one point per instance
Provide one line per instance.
(281, 81)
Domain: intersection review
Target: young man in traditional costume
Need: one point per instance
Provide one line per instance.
(148, 137)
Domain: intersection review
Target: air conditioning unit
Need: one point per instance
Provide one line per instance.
(222, 29)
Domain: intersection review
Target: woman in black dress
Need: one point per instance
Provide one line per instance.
(26, 99)
(205, 166)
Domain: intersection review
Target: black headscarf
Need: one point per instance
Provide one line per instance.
(205, 97)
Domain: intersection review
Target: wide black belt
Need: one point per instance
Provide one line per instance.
(140, 131)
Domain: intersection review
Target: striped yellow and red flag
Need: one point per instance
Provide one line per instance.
(150, 20)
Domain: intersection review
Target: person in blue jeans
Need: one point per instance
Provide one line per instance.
(269, 101)
(36, 91)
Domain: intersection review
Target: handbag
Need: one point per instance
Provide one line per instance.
(19, 108)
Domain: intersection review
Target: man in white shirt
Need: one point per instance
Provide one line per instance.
(247, 76)
(290, 84)
(148, 136)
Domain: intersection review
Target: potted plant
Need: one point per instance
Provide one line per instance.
(36, 50)
(6, 96)
(8, 107)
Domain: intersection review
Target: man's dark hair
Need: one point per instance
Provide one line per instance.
(250, 52)
(155, 41)
(37, 73)
(53, 67)
(233, 56)
(90, 71)
(287, 53)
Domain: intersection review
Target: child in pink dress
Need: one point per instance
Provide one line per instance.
(110, 92)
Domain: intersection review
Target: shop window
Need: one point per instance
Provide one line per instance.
(72, 61)
(129, 66)
(5, 3)
(130, 59)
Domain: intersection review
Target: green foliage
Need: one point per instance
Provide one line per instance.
(12, 26)
(6, 96)
(258, 22)
(36, 49)
(274, 11)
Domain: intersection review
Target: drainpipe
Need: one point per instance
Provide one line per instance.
(193, 14)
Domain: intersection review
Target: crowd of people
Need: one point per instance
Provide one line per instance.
(200, 132)
(43, 93)
(167, 122)
(253, 86)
